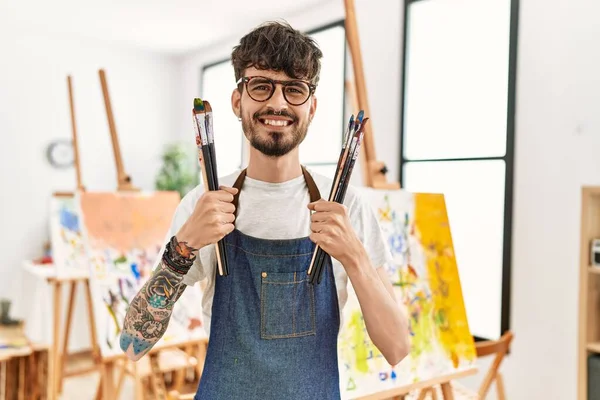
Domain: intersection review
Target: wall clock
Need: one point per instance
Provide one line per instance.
(60, 153)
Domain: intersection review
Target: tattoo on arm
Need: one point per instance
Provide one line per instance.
(150, 310)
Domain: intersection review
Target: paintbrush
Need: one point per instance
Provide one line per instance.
(206, 164)
(345, 142)
(340, 181)
(317, 254)
(213, 164)
(344, 183)
(356, 151)
(341, 188)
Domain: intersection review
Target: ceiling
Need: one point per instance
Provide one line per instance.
(174, 26)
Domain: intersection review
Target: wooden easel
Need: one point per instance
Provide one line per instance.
(374, 175)
(123, 180)
(58, 356)
(373, 171)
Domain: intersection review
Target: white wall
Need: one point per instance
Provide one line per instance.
(34, 111)
(557, 137)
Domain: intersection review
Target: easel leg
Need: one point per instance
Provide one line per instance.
(447, 391)
(121, 378)
(158, 382)
(65, 349)
(99, 388)
(108, 381)
(92, 324)
(500, 387)
(423, 394)
(138, 384)
(54, 375)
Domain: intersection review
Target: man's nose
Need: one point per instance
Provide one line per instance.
(277, 101)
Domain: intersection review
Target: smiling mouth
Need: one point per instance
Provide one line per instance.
(275, 122)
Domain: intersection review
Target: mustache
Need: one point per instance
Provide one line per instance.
(282, 113)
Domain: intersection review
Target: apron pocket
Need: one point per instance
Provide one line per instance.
(287, 305)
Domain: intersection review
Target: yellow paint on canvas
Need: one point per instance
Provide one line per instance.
(431, 220)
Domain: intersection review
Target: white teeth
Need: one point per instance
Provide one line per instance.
(276, 122)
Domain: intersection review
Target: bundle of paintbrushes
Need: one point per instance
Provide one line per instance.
(203, 125)
(348, 155)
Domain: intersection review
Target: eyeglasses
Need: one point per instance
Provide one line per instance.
(261, 89)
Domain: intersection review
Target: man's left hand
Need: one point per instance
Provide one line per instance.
(332, 231)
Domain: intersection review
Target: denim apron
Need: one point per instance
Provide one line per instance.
(273, 335)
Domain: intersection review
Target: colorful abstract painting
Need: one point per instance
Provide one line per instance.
(426, 280)
(68, 251)
(124, 234)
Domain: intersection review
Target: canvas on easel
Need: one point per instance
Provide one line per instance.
(425, 278)
(68, 252)
(124, 234)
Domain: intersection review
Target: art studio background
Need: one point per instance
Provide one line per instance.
(517, 243)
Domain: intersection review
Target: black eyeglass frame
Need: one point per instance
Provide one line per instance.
(246, 79)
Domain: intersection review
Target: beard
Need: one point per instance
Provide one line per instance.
(277, 143)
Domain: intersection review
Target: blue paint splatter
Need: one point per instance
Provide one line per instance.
(69, 220)
(135, 271)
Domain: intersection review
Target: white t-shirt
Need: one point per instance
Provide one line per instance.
(279, 211)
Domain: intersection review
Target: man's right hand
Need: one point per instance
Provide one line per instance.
(211, 220)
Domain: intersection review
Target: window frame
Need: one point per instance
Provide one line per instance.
(508, 157)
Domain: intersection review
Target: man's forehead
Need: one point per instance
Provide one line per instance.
(269, 73)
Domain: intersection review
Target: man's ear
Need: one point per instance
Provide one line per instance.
(313, 107)
(236, 101)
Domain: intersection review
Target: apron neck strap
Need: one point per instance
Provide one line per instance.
(313, 190)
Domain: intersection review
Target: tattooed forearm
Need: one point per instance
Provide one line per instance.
(162, 289)
(148, 315)
(150, 310)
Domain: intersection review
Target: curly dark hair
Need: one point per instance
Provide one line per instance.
(277, 46)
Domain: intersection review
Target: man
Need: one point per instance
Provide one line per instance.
(273, 335)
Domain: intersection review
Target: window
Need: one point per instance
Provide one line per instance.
(457, 137)
(321, 147)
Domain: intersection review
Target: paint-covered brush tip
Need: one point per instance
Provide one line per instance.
(360, 116)
(198, 104)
